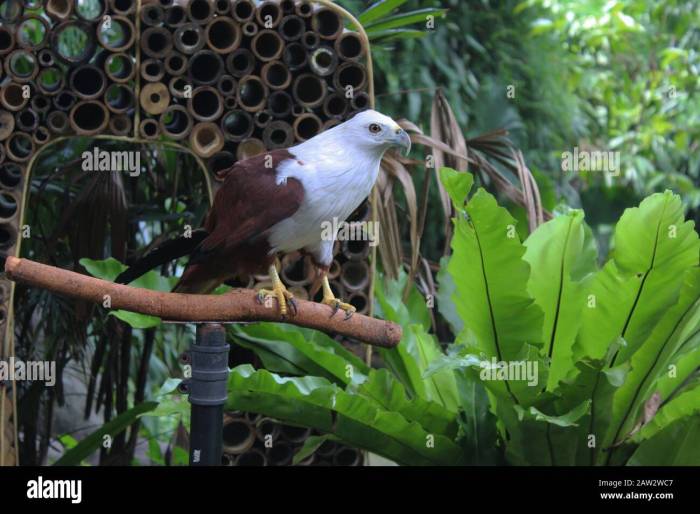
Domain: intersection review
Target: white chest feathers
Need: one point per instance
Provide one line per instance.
(334, 186)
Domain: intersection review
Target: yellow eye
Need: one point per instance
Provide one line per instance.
(375, 128)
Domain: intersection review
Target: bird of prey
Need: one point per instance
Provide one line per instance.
(278, 202)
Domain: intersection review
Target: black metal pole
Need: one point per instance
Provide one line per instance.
(207, 394)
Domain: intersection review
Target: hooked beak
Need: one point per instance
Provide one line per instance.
(402, 140)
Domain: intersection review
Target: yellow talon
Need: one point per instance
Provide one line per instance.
(330, 299)
(285, 299)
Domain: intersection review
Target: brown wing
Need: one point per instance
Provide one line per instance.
(249, 202)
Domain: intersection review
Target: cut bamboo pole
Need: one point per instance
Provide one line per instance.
(250, 147)
(126, 29)
(252, 93)
(205, 68)
(350, 46)
(237, 125)
(7, 124)
(206, 139)
(59, 9)
(155, 98)
(156, 42)
(307, 126)
(292, 27)
(223, 35)
(268, 14)
(123, 7)
(309, 90)
(267, 45)
(200, 11)
(278, 134)
(176, 122)
(323, 61)
(239, 435)
(152, 70)
(243, 10)
(327, 23)
(88, 117)
(205, 104)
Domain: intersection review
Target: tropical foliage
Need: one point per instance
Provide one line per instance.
(603, 311)
(613, 349)
(618, 75)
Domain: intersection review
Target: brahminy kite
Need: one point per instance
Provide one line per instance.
(280, 201)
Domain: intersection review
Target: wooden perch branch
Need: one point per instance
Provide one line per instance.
(237, 305)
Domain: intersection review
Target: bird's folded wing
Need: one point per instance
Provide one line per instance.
(249, 202)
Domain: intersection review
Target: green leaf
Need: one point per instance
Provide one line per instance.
(597, 383)
(457, 184)
(491, 278)
(685, 404)
(395, 34)
(354, 419)
(477, 425)
(678, 444)
(682, 371)
(383, 389)
(278, 358)
(410, 360)
(135, 319)
(403, 19)
(562, 255)
(68, 441)
(291, 349)
(311, 444)
(440, 386)
(169, 386)
(108, 269)
(379, 10)
(91, 443)
(655, 233)
(654, 356)
(654, 247)
(180, 457)
(540, 26)
(154, 451)
(565, 420)
(390, 304)
(446, 307)
(171, 403)
(547, 439)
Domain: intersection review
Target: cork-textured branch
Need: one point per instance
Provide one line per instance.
(236, 305)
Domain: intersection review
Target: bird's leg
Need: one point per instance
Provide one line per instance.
(330, 299)
(280, 292)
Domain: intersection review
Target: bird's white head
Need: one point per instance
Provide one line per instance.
(373, 130)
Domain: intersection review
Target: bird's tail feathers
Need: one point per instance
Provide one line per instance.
(169, 250)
